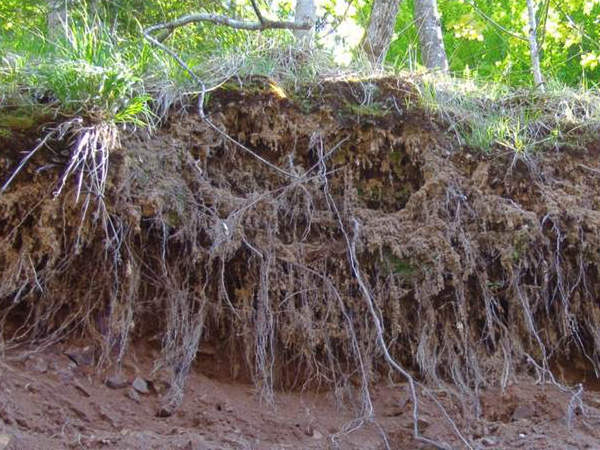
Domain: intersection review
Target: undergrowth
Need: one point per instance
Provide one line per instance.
(493, 117)
(103, 76)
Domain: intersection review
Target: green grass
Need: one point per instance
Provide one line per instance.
(493, 117)
(119, 78)
(374, 110)
(88, 73)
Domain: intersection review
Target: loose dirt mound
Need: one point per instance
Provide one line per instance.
(282, 232)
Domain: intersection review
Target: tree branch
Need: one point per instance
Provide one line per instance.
(262, 24)
(493, 22)
(573, 25)
(257, 11)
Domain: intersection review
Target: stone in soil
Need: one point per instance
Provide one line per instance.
(133, 395)
(140, 385)
(82, 356)
(7, 442)
(116, 381)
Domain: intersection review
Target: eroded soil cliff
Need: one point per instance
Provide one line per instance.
(292, 234)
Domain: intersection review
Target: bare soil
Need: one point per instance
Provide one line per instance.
(47, 401)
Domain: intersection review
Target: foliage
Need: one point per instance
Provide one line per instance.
(478, 47)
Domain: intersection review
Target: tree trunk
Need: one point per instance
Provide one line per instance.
(57, 18)
(533, 47)
(380, 30)
(427, 19)
(306, 11)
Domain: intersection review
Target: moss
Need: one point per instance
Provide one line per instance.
(19, 121)
(375, 109)
(5, 133)
(402, 266)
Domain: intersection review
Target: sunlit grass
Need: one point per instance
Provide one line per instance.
(105, 77)
(492, 116)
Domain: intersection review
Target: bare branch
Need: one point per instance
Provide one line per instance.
(257, 11)
(493, 22)
(217, 19)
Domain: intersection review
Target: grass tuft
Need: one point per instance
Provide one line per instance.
(489, 117)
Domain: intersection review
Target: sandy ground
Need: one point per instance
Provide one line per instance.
(55, 401)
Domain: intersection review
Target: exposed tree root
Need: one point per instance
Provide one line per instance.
(322, 248)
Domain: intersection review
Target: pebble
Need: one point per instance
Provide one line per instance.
(82, 356)
(165, 411)
(6, 442)
(140, 385)
(116, 381)
(133, 395)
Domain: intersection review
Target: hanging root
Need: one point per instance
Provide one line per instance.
(384, 254)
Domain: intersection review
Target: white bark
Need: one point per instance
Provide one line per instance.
(306, 11)
(380, 30)
(57, 18)
(427, 20)
(533, 47)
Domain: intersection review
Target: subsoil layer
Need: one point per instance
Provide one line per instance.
(47, 401)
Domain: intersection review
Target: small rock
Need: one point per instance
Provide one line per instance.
(317, 434)
(81, 356)
(523, 412)
(36, 364)
(116, 381)
(488, 441)
(65, 375)
(140, 385)
(6, 442)
(165, 411)
(133, 395)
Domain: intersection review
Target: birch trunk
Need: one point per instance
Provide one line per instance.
(533, 47)
(427, 20)
(380, 30)
(57, 18)
(306, 11)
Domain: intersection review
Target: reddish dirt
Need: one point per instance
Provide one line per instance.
(47, 401)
